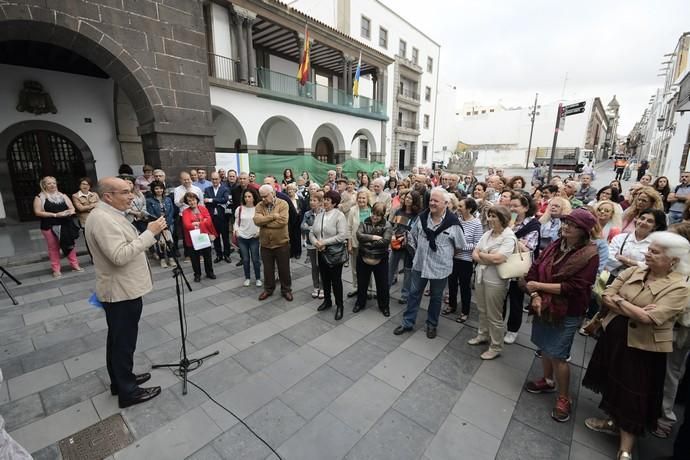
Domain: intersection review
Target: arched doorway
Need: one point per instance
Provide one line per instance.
(38, 153)
(324, 150)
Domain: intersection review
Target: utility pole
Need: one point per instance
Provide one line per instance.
(533, 113)
(555, 140)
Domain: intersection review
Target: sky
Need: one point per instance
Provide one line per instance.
(506, 51)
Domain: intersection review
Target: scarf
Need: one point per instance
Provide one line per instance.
(449, 220)
(555, 307)
(529, 227)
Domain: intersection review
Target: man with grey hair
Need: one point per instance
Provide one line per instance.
(271, 216)
(379, 195)
(434, 239)
(331, 179)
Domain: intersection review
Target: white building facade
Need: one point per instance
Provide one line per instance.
(412, 87)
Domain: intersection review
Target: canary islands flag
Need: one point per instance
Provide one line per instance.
(355, 82)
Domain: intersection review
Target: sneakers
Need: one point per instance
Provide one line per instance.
(540, 386)
(561, 412)
(602, 425)
(77, 269)
(321, 294)
(315, 293)
(259, 283)
(164, 263)
(247, 282)
(478, 340)
(490, 354)
(57, 275)
(510, 337)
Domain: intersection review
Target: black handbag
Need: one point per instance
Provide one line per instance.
(333, 254)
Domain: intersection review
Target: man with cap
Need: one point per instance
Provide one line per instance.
(560, 285)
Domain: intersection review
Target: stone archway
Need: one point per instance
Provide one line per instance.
(230, 135)
(280, 135)
(168, 87)
(364, 145)
(15, 207)
(335, 140)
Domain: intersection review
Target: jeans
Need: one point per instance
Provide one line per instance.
(417, 285)
(675, 217)
(54, 251)
(393, 269)
(380, 271)
(249, 247)
(461, 276)
(331, 280)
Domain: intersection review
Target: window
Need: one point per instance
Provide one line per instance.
(426, 121)
(383, 38)
(425, 148)
(429, 64)
(366, 27)
(427, 93)
(415, 55)
(491, 110)
(402, 50)
(363, 148)
(468, 113)
(400, 118)
(483, 111)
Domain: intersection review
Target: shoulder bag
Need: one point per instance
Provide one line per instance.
(334, 254)
(517, 265)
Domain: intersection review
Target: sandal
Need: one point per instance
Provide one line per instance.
(461, 319)
(602, 425)
(447, 311)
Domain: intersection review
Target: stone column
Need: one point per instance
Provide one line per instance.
(251, 52)
(241, 46)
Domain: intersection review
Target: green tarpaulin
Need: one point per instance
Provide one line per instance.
(274, 165)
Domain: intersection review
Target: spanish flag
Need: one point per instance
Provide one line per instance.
(355, 82)
(304, 64)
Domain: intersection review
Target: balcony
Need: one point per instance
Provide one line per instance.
(406, 63)
(407, 127)
(408, 96)
(283, 87)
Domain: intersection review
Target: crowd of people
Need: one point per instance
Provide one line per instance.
(610, 263)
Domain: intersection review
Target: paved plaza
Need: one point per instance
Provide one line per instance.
(312, 387)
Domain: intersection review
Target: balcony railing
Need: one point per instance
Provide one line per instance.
(312, 93)
(409, 94)
(223, 68)
(408, 124)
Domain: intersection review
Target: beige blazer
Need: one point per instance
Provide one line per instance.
(119, 255)
(670, 294)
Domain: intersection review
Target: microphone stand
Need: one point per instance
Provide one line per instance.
(4, 272)
(185, 365)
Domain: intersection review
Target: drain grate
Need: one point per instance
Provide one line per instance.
(97, 441)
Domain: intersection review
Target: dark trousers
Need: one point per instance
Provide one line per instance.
(516, 299)
(380, 271)
(681, 447)
(123, 327)
(332, 281)
(461, 276)
(222, 248)
(196, 255)
(619, 173)
(272, 257)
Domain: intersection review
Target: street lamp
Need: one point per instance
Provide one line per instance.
(532, 114)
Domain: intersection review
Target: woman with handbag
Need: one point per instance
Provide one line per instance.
(197, 217)
(402, 221)
(526, 228)
(56, 212)
(560, 285)
(355, 216)
(628, 364)
(329, 236)
(374, 237)
(493, 249)
(157, 205)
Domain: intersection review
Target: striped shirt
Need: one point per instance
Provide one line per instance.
(435, 264)
(473, 231)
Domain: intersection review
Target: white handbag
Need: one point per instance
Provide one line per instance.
(517, 265)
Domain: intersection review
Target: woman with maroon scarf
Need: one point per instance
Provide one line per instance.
(560, 285)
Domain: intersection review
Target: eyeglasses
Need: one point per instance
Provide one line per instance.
(121, 192)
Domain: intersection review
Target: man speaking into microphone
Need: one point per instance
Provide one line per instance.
(123, 276)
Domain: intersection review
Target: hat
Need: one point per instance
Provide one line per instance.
(342, 179)
(581, 218)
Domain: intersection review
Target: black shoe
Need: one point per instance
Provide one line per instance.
(339, 313)
(386, 311)
(239, 264)
(227, 259)
(140, 396)
(197, 278)
(211, 276)
(351, 294)
(217, 259)
(402, 301)
(358, 308)
(139, 379)
(370, 296)
(324, 306)
(430, 332)
(401, 330)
